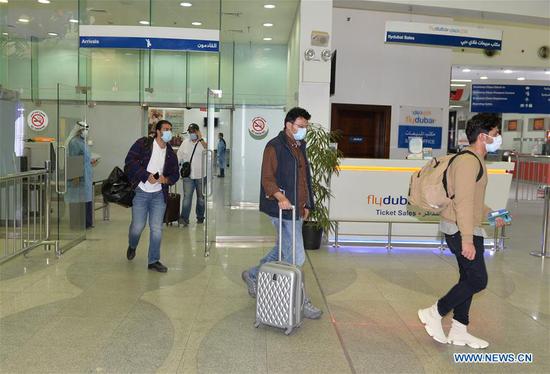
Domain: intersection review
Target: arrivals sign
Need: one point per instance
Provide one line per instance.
(443, 35)
(424, 122)
(152, 38)
(501, 98)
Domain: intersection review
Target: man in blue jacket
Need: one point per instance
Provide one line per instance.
(286, 181)
(152, 165)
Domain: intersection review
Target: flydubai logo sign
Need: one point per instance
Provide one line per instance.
(387, 200)
(420, 117)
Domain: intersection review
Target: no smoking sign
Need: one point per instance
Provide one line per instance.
(258, 127)
(37, 120)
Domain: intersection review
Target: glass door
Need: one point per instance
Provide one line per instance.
(73, 184)
(209, 165)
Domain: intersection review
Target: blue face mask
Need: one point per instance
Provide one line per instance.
(194, 137)
(301, 134)
(167, 136)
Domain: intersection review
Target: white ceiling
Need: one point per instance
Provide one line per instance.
(499, 74)
(242, 20)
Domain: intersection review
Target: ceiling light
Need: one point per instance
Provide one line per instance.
(268, 25)
(53, 34)
(461, 80)
(144, 22)
(458, 85)
(72, 20)
(269, 6)
(44, 1)
(186, 5)
(508, 71)
(3, 1)
(521, 78)
(196, 23)
(455, 106)
(547, 72)
(4, 33)
(268, 39)
(483, 77)
(466, 70)
(24, 20)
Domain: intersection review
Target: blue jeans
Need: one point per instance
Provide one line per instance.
(189, 187)
(152, 205)
(273, 255)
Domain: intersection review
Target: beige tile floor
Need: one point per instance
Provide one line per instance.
(92, 311)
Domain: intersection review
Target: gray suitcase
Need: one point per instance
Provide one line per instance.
(280, 296)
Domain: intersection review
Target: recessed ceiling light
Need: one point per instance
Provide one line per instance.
(547, 72)
(44, 1)
(484, 77)
(268, 39)
(186, 5)
(3, 1)
(269, 6)
(521, 78)
(466, 70)
(24, 20)
(5, 33)
(144, 22)
(461, 80)
(458, 85)
(52, 34)
(72, 20)
(196, 23)
(508, 71)
(268, 25)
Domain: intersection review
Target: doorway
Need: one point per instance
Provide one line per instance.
(364, 130)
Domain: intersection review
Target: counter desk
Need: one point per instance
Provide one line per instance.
(370, 197)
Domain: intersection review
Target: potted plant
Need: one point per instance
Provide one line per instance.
(324, 161)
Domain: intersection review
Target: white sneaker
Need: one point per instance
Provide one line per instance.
(458, 335)
(432, 323)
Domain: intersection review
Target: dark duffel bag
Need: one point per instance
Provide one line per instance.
(117, 189)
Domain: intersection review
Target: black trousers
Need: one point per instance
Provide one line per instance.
(473, 279)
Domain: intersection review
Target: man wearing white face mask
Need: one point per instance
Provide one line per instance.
(461, 223)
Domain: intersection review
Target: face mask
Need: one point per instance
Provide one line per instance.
(167, 136)
(495, 145)
(301, 134)
(84, 133)
(194, 137)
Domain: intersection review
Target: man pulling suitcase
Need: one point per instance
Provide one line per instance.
(286, 182)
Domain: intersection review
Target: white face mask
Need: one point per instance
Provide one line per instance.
(84, 133)
(495, 145)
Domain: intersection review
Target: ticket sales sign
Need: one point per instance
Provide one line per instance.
(443, 35)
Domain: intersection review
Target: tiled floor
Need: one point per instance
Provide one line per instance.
(93, 311)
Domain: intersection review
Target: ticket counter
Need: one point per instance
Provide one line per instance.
(369, 202)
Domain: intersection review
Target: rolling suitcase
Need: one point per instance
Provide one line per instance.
(280, 296)
(172, 213)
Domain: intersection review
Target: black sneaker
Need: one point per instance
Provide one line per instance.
(130, 253)
(158, 267)
(200, 220)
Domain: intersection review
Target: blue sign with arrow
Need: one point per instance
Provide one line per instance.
(494, 98)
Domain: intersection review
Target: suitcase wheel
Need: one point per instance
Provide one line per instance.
(257, 324)
(288, 331)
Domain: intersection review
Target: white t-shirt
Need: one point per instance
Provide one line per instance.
(184, 155)
(156, 165)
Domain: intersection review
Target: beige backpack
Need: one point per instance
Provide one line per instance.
(428, 187)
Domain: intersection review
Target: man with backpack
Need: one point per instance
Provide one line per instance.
(151, 165)
(465, 181)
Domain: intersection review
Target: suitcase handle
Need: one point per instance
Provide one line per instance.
(293, 234)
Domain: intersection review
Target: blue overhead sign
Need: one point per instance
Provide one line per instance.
(443, 35)
(431, 136)
(151, 38)
(494, 98)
